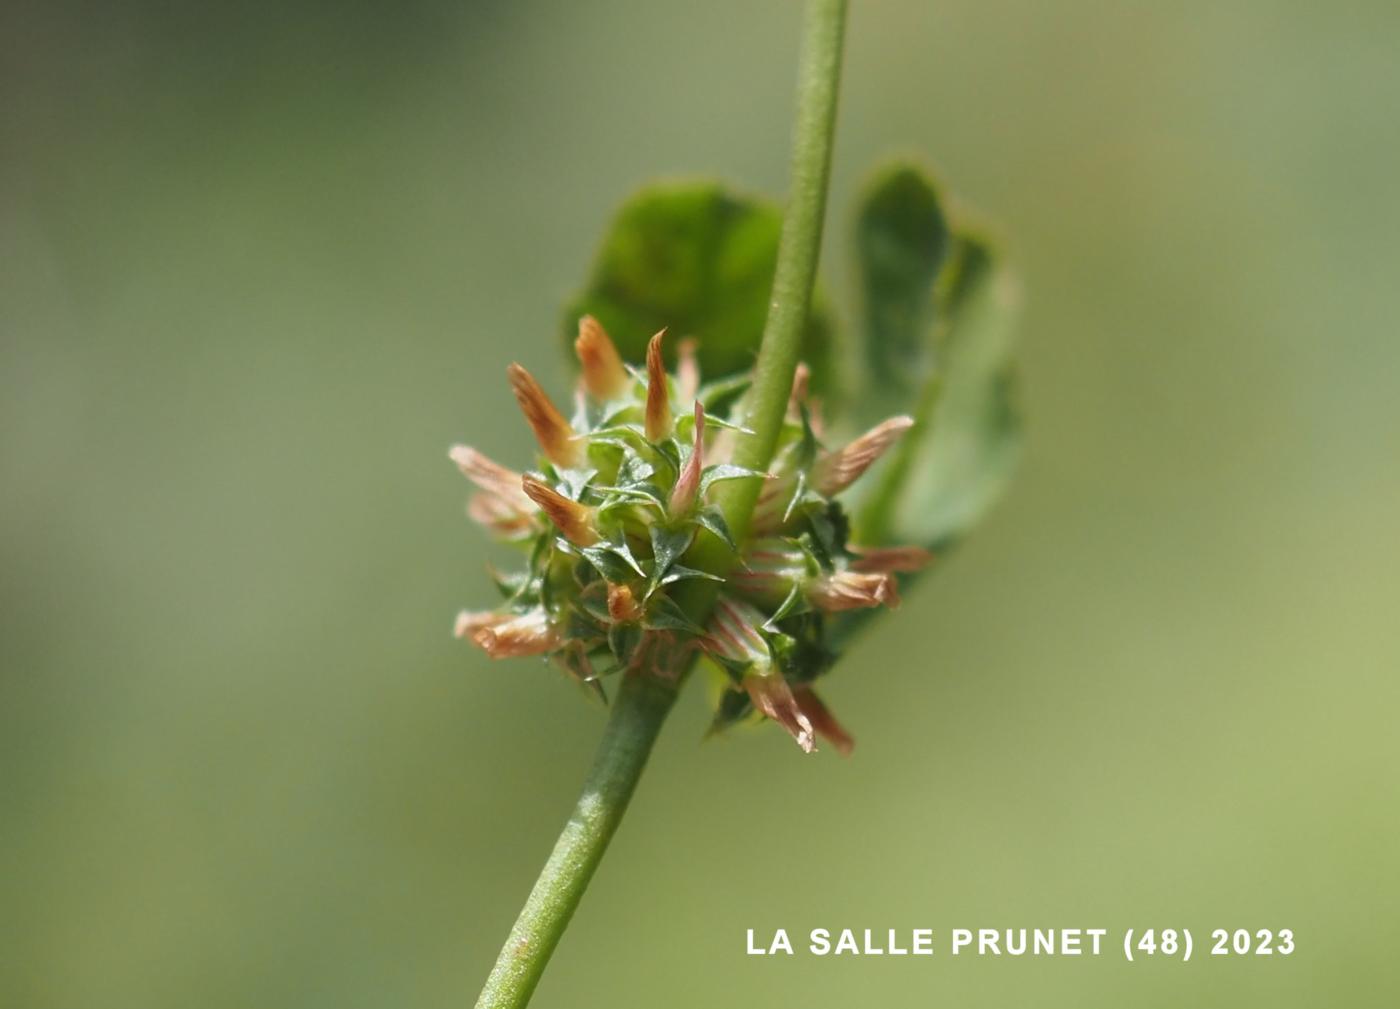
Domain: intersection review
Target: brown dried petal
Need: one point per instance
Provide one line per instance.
(772, 696)
(687, 369)
(658, 413)
(687, 487)
(556, 438)
(527, 634)
(574, 520)
(622, 604)
(835, 471)
(603, 374)
(853, 590)
(822, 720)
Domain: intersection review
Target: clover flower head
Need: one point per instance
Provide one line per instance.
(620, 495)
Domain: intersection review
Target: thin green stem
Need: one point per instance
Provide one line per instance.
(800, 246)
(644, 701)
(638, 712)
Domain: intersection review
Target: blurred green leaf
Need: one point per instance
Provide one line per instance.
(902, 241)
(697, 260)
(958, 458)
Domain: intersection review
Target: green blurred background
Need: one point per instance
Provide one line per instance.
(263, 264)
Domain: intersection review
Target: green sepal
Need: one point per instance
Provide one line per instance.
(713, 520)
(714, 420)
(795, 602)
(724, 471)
(614, 561)
(664, 615)
(678, 572)
(830, 529)
(580, 624)
(667, 545)
(799, 496)
(623, 641)
(634, 470)
(734, 706)
(575, 481)
(801, 654)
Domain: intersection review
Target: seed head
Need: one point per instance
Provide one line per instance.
(609, 519)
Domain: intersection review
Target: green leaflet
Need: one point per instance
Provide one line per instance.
(901, 243)
(958, 458)
(964, 449)
(697, 260)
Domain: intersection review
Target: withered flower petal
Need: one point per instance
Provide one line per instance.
(853, 590)
(687, 487)
(622, 604)
(470, 621)
(687, 369)
(526, 634)
(835, 471)
(603, 374)
(501, 516)
(772, 696)
(658, 411)
(574, 520)
(801, 380)
(733, 634)
(822, 720)
(556, 438)
(489, 475)
(773, 499)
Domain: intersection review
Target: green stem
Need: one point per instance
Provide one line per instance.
(813, 133)
(643, 702)
(637, 714)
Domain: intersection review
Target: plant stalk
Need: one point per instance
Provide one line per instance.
(644, 701)
(638, 712)
(798, 250)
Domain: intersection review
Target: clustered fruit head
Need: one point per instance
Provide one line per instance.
(609, 518)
